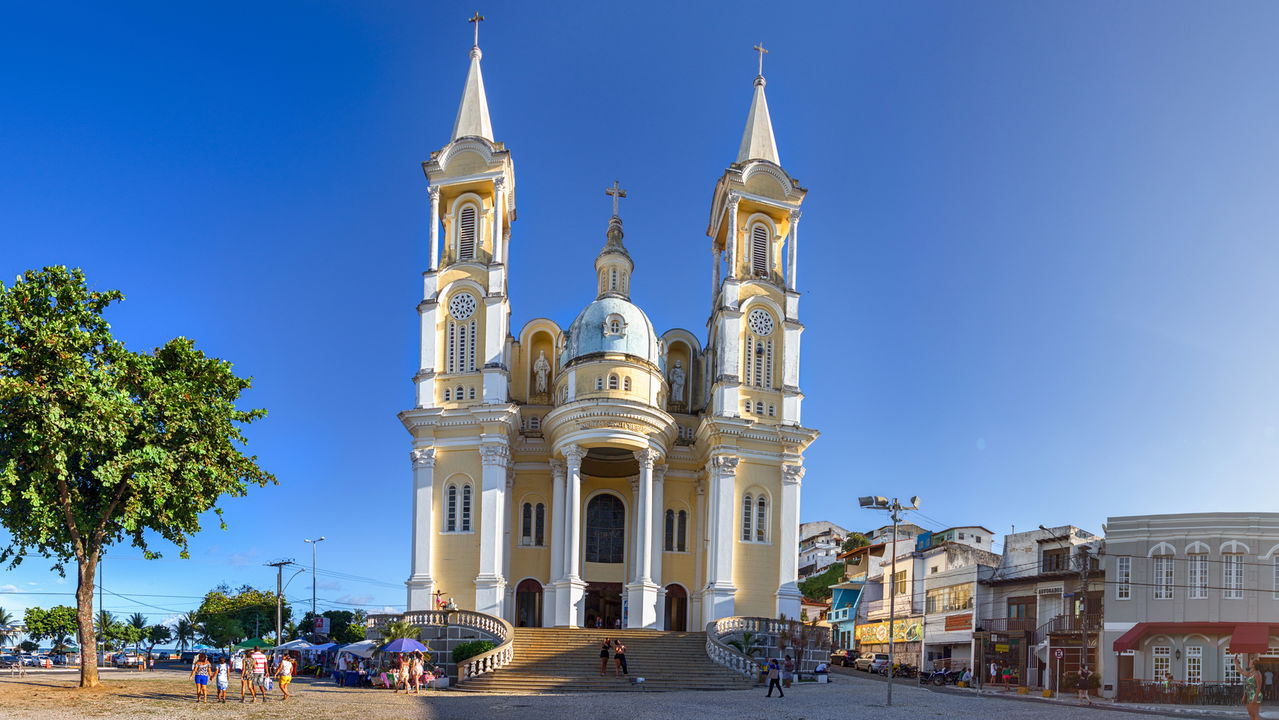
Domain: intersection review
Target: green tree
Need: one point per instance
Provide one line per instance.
(817, 587)
(7, 631)
(344, 626)
(290, 631)
(397, 629)
(252, 610)
(854, 541)
(57, 624)
(28, 646)
(138, 622)
(223, 631)
(100, 444)
(110, 631)
(157, 634)
(185, 631)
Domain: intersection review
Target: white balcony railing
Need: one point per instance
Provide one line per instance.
(902, 606)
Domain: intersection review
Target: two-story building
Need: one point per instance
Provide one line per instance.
(1185, 594)
(1044, 596)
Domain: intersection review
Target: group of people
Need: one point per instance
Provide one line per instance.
(412, 672)
(255, 671)
(779, 674)
(619, 656)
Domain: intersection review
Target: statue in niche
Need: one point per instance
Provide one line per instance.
(677, 382)
(541, 369)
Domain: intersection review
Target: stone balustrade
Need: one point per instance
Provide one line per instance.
(772, 638)
(497, 628)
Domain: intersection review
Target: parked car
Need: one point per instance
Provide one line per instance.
(842, 658)
(126, 659)
(8, 661)
(871, 662)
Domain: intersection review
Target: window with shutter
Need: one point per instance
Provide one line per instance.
(539, 529)
(526, 535)
(466, 231)
(466, 508)
(759, 250)
(681, 532)
(669, 544)
(747, 504)
(761, 519)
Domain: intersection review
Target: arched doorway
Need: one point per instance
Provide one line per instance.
(604, 542)
(676, 608)
(528, 603)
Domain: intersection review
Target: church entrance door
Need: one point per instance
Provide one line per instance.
(676, 608)
(528, 604)
(603, 605)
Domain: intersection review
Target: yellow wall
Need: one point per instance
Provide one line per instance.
(756, 565)
(455, 557)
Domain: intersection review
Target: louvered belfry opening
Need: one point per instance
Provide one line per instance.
(466, 233)
(759, 250)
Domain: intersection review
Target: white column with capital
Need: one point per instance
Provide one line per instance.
(792, 251)
(498, 201)
(433, 261)
(718, 597)
(570, 591)
(730, 238)
(698, 544)
(788, 592)
(641, 595)
(659, 540)
(420, 584)
(558, 528)
(490, 583)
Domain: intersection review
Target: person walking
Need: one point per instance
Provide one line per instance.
(788, 671)
(1269, 694)
(774, 675)
(1084, 675)
(619, 657)
(1252, 685)
(285, 673)
(604, 647)
(200, 672)
(222, 677)
(994, 673)
(418, 669)
(256, 664)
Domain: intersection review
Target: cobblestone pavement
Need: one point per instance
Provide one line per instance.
(167, 694)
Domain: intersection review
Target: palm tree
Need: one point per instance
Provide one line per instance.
(184, 632)
(397, 629)
(7, 631)
(139, 621)
(106, 622)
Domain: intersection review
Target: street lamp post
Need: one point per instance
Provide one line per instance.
(894, 509)
(313, 544)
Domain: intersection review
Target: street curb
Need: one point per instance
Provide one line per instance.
(1108, 706)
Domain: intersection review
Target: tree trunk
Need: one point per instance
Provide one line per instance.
(84, 614)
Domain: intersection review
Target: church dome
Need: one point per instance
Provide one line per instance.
(611, 325)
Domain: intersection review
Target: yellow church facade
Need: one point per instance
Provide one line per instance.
(603, 473)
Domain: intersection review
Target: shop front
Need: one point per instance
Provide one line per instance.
(908, 634)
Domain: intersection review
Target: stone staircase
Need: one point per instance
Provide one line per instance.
(567, 660)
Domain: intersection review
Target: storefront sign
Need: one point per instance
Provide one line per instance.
(904, 630)
(1001, 647)
(959, 622)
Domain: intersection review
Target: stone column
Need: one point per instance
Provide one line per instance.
(510, 526)
(730, 239)
(719, 594)
(788, 593)
(490, 584)
(792, 250)
(433, 262)
(659, 538)
(714, 278)
(571, 591)
(558, 528)
(420, 583)
(697, 534)
(498, 202)
(642, 594)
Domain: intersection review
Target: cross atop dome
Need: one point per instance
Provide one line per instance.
(473, 112)
(616, 192)
(758, 142)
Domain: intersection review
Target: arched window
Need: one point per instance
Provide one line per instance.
(615, 326)
(539, 525)
(526, 516)
(759, 408)
(605, 529)
(747, 406)
(761, 519)
(626, 383)
(461, 337)
(535, 423)
(759, 250)
(759, 361)
(681, 531)
(467, 230)
(447, 393)
(748, 505)
(668, 544)
(599, 383)
(466, 508)
(612, 279)
(533, 524)
(450, 516)
(470, 395)
(461, 393)
(612, 382)
(772, 410)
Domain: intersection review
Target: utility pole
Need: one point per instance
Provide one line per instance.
(279, 599)
(894, 509)
(313, 543)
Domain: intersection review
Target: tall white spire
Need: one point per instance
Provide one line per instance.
(473, 113)
(758, 142)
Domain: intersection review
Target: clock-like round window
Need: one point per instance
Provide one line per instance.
(462, 306)
(761, 322)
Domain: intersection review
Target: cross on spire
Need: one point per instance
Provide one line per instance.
(477, 19)
(762, 52)
(616, 192)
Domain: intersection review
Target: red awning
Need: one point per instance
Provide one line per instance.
(1250, 638)
(1129, 640)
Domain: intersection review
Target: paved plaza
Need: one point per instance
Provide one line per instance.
(167, 694)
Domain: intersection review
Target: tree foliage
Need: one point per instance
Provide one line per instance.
(228, 616)
(57, 624)
(854, 541)
(101, 445)
(156, 634)
(7, 631)
(345, 626)
(817, 587)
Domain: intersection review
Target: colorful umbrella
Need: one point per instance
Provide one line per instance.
(404, 645)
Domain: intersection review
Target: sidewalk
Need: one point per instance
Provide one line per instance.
(1200, 711)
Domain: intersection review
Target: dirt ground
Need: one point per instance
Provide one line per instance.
(53, 695)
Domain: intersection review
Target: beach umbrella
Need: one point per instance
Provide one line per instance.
(403, 645)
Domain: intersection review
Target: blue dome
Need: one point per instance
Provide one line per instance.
(611, 324)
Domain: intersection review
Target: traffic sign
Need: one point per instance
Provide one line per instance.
(1059, 653)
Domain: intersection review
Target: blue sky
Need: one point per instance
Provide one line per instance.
(1038, 254)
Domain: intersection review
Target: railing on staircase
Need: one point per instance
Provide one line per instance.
(470, 668)
(809, 644)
